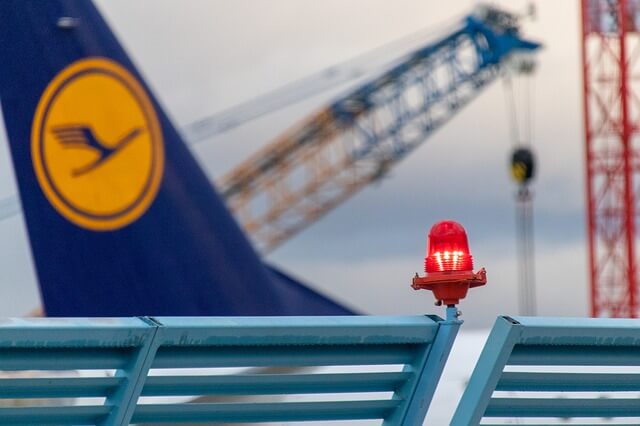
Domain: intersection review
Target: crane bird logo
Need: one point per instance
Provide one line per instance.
(82, 136)
(97, 146)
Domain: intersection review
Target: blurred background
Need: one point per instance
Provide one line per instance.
(203, 57)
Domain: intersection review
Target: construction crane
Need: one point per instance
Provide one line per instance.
(355, 140)
(610, 36)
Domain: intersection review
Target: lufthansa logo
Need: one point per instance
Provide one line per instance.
(96, 145)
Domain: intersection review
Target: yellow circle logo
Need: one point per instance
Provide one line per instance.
(96, 145)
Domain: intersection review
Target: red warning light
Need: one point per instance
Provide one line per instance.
(449, 265)
(448, 248)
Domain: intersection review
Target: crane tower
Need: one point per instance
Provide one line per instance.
(610, 52)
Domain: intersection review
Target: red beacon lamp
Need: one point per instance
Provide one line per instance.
(448, 266)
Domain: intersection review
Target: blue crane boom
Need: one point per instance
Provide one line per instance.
(341, 148)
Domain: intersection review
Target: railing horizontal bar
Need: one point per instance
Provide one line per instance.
(273, 384)
(569, 382)
(338, 330)
(65, 387)
(264, 412)
(72, 415)
(575, 355)
(73, 332)
(563, 407)
(266, 356)
(64, 358)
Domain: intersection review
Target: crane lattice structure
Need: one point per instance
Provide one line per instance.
(611, 77)
(354, 141)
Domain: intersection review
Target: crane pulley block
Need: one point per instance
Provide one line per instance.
(522, 165)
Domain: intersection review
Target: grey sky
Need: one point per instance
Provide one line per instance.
(205, 56)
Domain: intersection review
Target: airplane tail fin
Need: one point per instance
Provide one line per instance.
(121, 219)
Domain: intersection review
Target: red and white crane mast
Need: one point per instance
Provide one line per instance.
(611, 84)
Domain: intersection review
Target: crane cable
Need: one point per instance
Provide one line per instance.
(522, 170)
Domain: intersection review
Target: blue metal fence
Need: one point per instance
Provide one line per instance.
(526, 362)
(155, 357)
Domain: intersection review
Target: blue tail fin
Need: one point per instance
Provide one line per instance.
(121, 219)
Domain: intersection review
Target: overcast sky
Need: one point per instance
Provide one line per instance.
(201, 57)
